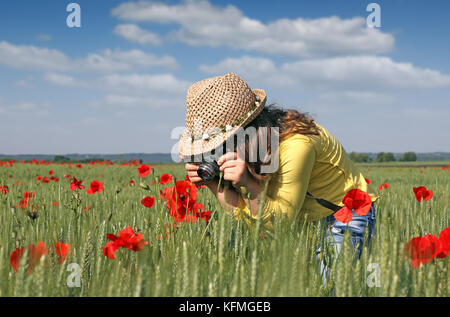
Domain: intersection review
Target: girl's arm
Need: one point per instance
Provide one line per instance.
(235, 172)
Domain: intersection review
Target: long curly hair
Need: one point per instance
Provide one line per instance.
(288, 122)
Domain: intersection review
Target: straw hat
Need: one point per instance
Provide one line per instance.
(216, 108)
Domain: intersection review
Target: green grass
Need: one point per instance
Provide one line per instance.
(232, 259)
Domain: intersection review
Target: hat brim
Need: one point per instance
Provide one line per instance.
(186, 147)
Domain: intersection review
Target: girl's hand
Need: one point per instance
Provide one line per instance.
(234, 169)
(193, 176)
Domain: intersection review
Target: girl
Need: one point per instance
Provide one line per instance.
(313, 175)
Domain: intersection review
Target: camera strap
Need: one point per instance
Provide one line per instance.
(325, 203)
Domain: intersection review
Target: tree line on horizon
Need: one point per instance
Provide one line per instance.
(382, 157)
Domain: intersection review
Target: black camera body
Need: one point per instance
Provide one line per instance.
(208, 169)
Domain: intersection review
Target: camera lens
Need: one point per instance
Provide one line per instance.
(207, 171)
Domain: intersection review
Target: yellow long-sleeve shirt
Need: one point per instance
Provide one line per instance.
(317, 164)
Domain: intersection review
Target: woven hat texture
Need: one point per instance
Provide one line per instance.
(216, 108)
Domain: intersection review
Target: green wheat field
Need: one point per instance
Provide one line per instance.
(220, 258)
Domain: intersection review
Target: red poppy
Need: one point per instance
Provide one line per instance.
(61, 249)
(132, 183)
(166, 193)
(148, 201)
(46, 180)
(96, 187)
(383, 186)
(193, 215)
(39, 178)
(127, 239)
(35, 252)
(165, 179)
(14, 258)
(444, 239)
(422, 193)
(76, 184)
(87, 208)
(55, 179)
(344, 215)
(4, 189)
(368, 181)
(144, 170)
(182, 201)
(355, 200)
(198, 212)
(26, 198)
(28, 195)
(23, 204)
(50, 173)
(422, 249)
(55, 203)
(110, 248)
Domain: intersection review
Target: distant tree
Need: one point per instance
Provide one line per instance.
(389, 157)
(380, 157)
(60, 159)
(385, 157)
(409, 157)
(359, 157)
(88, 160)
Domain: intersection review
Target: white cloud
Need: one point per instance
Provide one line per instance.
(201, 23)
(37, 58)
(134, 33)
(352, 73)
(144, 84)
(115, 60)
(61, 80)
(136, 90)
(24, 108)
(33, 58)
(127, 102)
(21, 83)
(355, 98)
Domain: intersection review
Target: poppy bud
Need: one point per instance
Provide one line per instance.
(144, 186)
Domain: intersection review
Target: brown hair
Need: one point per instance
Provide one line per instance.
(289, 122)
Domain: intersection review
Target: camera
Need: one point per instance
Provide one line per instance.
(208, 168)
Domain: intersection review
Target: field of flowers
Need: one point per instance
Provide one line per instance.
(106, 229)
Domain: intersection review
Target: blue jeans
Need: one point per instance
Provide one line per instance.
(335, 236)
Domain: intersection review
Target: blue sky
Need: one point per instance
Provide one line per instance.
(118, 83)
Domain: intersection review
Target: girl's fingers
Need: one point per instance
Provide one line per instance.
(192, 174)
(227, 157)
(195, 179)
(229, 176)
(228, 164)
(191, 167)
